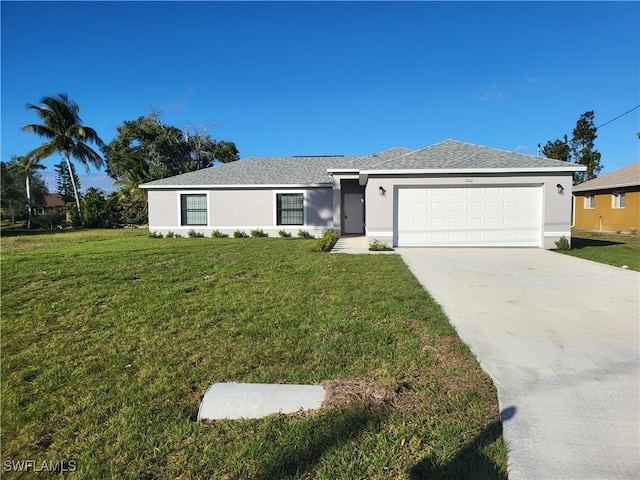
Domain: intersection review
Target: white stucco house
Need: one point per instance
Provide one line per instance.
(448, 194)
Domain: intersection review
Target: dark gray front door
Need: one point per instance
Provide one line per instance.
(353, 213)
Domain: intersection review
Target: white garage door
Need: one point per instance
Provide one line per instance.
(469, 216)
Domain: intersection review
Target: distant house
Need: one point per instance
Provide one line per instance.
(609, 203)
(448, 194)
(53, 205)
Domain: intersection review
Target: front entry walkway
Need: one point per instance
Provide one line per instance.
(560, 337)
(353, 244)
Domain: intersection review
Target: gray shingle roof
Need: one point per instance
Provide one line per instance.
(310, 170)
(259, 171)
(451, 154)
(275, 170)
(628, 176)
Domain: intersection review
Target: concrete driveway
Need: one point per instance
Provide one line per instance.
(560, 338)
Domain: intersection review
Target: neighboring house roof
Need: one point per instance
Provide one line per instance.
(625, 177)
(52, 200)
(449, 155)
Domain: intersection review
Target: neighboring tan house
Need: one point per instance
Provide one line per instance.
(609, 203)
(448, 194)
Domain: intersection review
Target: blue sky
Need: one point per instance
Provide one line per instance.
(318, 78)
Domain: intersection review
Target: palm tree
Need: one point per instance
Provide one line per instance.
(26, 166)
(63, 127)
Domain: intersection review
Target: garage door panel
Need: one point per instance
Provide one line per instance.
(474, 223)
(469, 216)
(511, 223)
(439, 207)
(511, 206)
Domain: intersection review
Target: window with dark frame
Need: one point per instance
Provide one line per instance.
(289, 209)
(193, 209)
(618, 200)
(588, 201)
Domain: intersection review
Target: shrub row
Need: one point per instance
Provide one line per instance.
(237, 234)
(326, 242)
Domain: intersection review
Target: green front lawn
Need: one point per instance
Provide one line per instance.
(110, 339)
(615, 249)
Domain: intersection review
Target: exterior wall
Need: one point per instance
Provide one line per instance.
(163, 209)
(556, 208)
(604, 217)
(241, 209)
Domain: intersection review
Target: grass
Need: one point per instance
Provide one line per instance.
(110, 339)
(615, 249)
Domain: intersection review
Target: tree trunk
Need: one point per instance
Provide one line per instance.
(28, 200)
(75, 189)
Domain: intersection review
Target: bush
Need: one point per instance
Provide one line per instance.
(170, 234)
(634, 231)
(239, 234)
(283, 234)
(563, 243)
(156, 235)
(72, 216)
(218, 234)
(378, 246)
(304, 234)
(258, 232)
(193, 234)
(52, 221)
(326, 242)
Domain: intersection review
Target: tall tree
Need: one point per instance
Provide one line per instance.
(61, 124)
(27, 166)
(226, 152)
(10, 192)
(14, 194)
(95, 207)
(582, 148)
(166, 149)
(131, 201)
(579, 150)
(64, 182)
(558, 149)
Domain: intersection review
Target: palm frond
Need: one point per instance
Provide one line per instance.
(26, 164)
(92, 136)
(43, 151)
(63, 126)
(40, 130)
(86, 156)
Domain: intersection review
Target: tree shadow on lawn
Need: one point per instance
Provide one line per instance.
(21, 232)
(577, 243)
(299, 458)
(325, 433)
(471, 463)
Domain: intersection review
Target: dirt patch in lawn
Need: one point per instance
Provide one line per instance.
(356, 394)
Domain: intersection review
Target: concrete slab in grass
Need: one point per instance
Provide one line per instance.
(257, 400)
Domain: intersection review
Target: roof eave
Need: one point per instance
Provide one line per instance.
(440, 171)
(343, 170)
(577, 188)
(220, 186)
